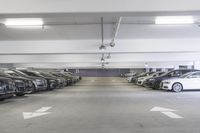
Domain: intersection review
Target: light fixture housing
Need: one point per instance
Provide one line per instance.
(102, 60)
(112, 44)
(102, 47)
(173, 20)
(17, 22)
(146, 65)
(108, 56)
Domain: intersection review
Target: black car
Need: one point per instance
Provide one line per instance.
(148, 82)
(29, 88)
(68, 80)
(39, 84)
(155, 82)
(51, 82)
(7, 88)
(20, 88)
(60, 80)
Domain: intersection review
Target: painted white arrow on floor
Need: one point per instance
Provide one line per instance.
(37, 113)
(168, 112)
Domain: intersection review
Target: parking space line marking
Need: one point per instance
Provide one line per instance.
(167, 111)
(43, 109)
(37, 113)
(172, 115)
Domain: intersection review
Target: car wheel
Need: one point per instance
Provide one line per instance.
(177, 87)
(2, 99)
(20, 94)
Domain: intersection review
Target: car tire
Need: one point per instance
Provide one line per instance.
(20, 94)
(2, 99)
(177, 87)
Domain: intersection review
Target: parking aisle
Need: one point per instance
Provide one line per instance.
(101, 105)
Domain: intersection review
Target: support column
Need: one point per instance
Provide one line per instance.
(196, 65)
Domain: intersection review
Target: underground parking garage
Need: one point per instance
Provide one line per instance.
(99, 66)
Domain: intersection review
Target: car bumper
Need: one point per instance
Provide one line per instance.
(164, 86)
(140, 82)
(41, 88)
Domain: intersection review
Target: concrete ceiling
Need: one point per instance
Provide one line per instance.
(71, 36)
(89, 28)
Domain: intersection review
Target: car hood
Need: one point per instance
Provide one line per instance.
(171, 79)
(34, 78)
(18, 78)
(5, 79)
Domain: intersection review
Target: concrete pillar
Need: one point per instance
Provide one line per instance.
(163, 70)
(153, 69)
(196, 65)
(176, 67)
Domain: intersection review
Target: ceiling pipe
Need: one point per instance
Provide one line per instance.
(112, 44)
(102, 47)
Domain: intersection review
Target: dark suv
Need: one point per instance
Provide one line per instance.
(172, 74)
(29, 87)
(20, 88)
(39, 84)
(52, 83)
(7, 88)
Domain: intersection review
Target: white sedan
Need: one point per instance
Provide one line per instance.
(188, 81)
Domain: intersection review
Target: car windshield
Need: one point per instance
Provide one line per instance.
(46, 74)
(166, 73)
(11, 73)
(21, 73)
(31, 73)
(58, 74)
(152, 74)
(4, 74)
(186, 75)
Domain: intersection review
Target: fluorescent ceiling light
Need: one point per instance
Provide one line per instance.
(24, 22)
(146, 65)
(174, 20)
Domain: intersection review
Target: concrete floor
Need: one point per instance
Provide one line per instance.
(102, 105)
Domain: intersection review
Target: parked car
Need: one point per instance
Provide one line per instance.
(135, 79)
(172, 74)
(74, 77)
(39, 84)
(130, 79)
(188, 81)
(29, 88)
(20, 89)
(67, 78)
(51, 82)
(149, 81)
(60, 80)
(129, 74)
(141, 80)
(7, 88)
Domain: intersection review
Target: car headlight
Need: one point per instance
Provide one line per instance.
(151, 79)
(59, 80)
(37, 81)
(30, 83)
(18, 80)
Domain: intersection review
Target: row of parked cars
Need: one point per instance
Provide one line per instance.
(21, 82)
(175, 80)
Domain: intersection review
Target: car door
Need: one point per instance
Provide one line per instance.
(193, 81)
